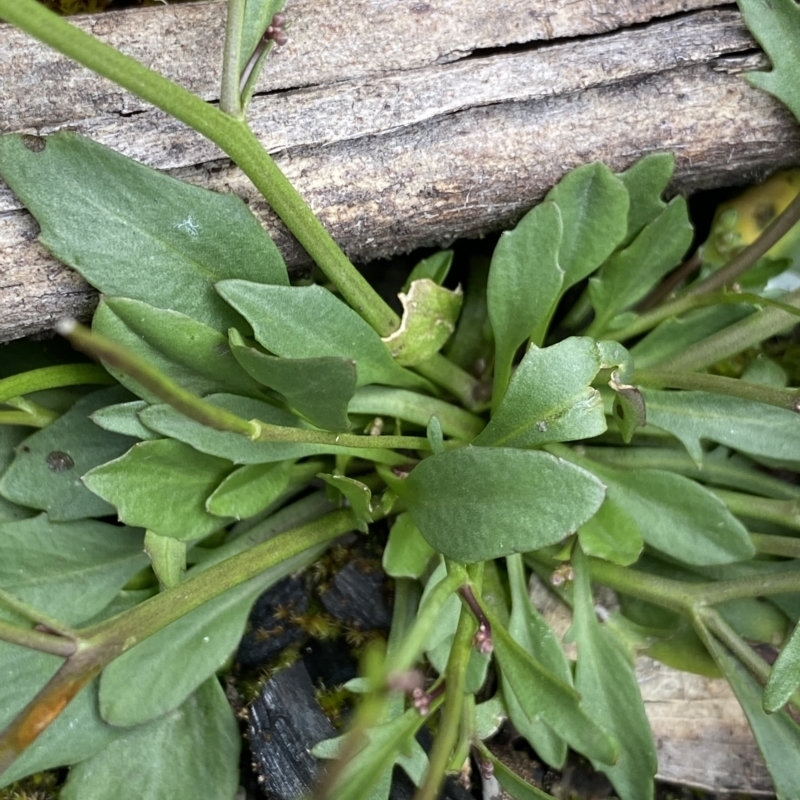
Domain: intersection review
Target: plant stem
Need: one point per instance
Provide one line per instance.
(739, 264)
(717, 592)
(455, 682)
(230, 99)
(22, 609)
(37, 640)
(787, 546)
(228, 132)
(732, 387)
(37, 380)
(782, 512)
(210, 415)
(383, 401)
(748, 332)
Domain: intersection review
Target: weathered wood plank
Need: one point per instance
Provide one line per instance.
(397, 152)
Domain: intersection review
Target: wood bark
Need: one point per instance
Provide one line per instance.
(407, 123)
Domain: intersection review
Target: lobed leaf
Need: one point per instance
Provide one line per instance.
(542, 695)
(746, 425)
(775, 23)
(47, 469)
(310, 322)
(646, 181)
(550, 398)
(478, 503)
(124, 418)
(132, 231)
(192, 751)
(317, 388)
(162, 486)
(69, 570)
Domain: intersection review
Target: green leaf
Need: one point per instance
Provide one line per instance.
(162, 486)
(249, 490)
(530, 630)
(317, 388)
(357, 495)
(673, 336)
(435, 268)
(550, 398)
(310, 322)
(630, 274)
(479, 503)
(181, 343)
(677, 516)
(646, 181)
(257, 15)
(11, 436)
(594, 210)
(784, 677)
(159, 673)
(46, 472)
(192, 751)
(123, 418)
(134, 232)
(775, 24)
(389, 743)
(239, 449)
(515, 786)
(407, 554)
(748, 426)
(70, 570)
(611, 534)
(429, 318)
(525, 281)
(167, 556)
(777, 735)
(610, 691)
(434, 435)
(543, 695)
(25, 672)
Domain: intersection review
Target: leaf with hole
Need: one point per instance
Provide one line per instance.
(47, 469)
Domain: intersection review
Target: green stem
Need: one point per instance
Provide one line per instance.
(776, 230)
(712, 620)
(231, 134)
(752, 586)
(455, 683)
(782, 512)
(383, 401)
(748, 332)
(787, 546)
(27, 419)
(37, 380)
(210, 415)
(32, 614)
(37, 640)
(230, 99)
(732, 387)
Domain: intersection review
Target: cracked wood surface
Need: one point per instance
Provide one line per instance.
(407, 123)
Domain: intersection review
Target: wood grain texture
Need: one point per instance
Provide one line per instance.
(408, 123)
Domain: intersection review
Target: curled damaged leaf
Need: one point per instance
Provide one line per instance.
(429, 319)
(629, 407)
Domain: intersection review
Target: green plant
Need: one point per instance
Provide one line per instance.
(231, 391)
